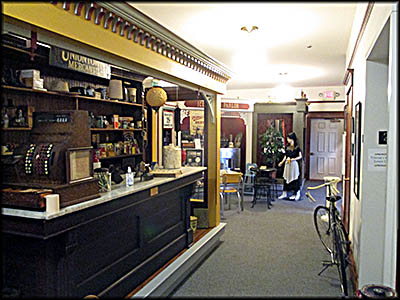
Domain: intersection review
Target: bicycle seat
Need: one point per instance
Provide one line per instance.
(333, 199)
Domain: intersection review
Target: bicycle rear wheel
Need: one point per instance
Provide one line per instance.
(322, 223)
(340, 259)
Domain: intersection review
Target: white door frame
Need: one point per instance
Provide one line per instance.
(328, 153)
(309, 117)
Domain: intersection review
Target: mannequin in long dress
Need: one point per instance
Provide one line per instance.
(292, 156)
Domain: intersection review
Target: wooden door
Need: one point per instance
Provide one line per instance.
(326, 148)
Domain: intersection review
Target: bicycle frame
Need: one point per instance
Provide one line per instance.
(339, 248)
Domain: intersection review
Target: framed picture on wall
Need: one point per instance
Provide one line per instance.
(168, 119)
(357, 148)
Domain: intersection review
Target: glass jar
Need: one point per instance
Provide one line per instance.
(104, 179)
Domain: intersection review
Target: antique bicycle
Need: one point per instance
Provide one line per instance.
(332, 232)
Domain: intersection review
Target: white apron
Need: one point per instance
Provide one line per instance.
(291, 171)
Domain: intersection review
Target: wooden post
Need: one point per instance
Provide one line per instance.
(212, 146)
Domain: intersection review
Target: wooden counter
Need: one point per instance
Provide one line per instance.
(105, 246)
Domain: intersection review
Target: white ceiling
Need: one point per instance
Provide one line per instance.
(278, 46)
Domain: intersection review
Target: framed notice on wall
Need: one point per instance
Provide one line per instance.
(168, 122)
(357, 149)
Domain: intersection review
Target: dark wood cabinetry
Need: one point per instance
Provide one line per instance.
(15, 58)
(106, 250)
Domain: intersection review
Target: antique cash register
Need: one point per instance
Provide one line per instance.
(57, 159)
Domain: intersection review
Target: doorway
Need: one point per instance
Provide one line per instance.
(325, 148)
(310, 150)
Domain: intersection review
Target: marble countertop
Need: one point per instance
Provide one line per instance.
(117, 191)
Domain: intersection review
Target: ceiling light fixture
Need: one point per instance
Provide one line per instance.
(244, 28)
(309, 46)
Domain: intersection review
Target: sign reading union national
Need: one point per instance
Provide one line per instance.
(73, 61)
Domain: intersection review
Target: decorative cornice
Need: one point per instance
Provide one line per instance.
(126, 21)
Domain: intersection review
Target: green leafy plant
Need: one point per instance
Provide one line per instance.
(272, 144)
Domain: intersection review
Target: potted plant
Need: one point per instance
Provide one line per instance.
(272, 144)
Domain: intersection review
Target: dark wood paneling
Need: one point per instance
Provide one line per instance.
(106, 250)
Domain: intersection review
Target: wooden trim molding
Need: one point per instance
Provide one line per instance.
(126, 21)
(360, 34)
(325, 101)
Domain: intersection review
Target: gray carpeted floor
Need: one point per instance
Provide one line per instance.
(266, 253)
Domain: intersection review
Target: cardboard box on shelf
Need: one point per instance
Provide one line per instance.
(33, 83)
(30, 73)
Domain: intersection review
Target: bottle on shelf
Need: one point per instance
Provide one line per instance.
(11, 110)
(129, 177)
(96, 161)
(5, 120)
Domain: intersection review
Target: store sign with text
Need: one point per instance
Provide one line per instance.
(234, 105)
(73, 61)
(224, 105)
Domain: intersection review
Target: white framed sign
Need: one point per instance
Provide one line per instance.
(168, 122)
(377, 159)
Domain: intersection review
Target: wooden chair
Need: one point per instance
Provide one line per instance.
(231, 183)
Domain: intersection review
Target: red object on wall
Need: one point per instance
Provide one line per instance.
(183, 157)
(194, 103)
(284, 132)
(234, 105)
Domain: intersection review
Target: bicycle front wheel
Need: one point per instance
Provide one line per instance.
(340, 259)
(322, 223)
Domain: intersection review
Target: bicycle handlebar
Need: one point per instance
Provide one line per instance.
(310, 197)
(331, 183)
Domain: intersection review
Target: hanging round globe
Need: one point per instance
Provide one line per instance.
(156, 97)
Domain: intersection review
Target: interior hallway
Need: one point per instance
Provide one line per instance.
(266, 253)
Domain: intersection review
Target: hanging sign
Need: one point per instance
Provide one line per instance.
(224, 105)
(196, 122)
(234, 105)
(73, 61)
(194, 103)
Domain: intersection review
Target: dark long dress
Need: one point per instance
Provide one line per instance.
(295, 184)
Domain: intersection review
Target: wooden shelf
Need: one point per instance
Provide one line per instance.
(22, 50)
(109, 101)
(121, 156)
(118, 129)
(16, 129)
(29, 90)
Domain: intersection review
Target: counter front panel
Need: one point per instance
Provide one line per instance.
(106, 249)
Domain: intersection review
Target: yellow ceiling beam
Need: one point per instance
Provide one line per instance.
(64, 22)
